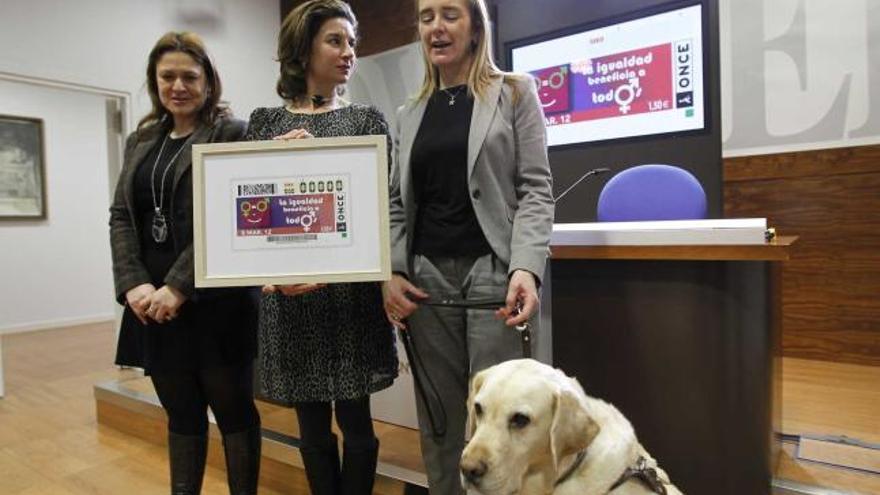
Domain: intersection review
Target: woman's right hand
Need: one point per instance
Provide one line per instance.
(397, 305)
(138, 299)
(292, 290)
(294, 134)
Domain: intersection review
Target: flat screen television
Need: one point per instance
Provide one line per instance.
(642, 75)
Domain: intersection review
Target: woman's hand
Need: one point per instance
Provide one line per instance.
(294, 134)
(397, 305)
(164, 304)
(292, 290)
(138, 299)
(523, 292)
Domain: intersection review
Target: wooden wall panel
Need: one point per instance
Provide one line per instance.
(384, 24)
(831, 286)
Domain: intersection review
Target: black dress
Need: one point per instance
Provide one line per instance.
(333, 343)
(215, 327)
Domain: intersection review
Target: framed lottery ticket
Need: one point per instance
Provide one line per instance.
(287, 212)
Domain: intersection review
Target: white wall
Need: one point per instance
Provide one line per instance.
(799, 75)
(57, 271)
(105, 43)
(387, 79)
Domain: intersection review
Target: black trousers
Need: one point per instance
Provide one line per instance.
(353, 417)
(229, 391)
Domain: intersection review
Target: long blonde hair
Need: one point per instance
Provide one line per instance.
(483, 68)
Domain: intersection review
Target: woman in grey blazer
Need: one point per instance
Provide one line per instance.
(471, 216)
(197, 346)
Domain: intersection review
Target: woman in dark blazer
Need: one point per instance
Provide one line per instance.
(471, 216)
(197, 346)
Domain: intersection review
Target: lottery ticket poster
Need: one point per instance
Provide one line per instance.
(285, 212)
(305, 211)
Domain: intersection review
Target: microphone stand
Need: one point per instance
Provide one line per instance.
(595, 171)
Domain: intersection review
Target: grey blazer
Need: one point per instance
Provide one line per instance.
(508, 176)
(128, 269)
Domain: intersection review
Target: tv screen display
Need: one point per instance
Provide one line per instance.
(639, 77)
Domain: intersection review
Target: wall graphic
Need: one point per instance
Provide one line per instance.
(796, 75)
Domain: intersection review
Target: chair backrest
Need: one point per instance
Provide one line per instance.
(652, 192)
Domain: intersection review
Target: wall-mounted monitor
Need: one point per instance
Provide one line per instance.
(641, 75)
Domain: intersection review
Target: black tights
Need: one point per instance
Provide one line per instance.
(229, 391)
(353, 417)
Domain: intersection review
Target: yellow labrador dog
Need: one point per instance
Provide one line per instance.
(535, 432)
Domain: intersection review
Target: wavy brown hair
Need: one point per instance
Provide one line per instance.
(298, 31)
(192, 45)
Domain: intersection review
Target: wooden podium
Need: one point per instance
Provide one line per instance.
(685, 340)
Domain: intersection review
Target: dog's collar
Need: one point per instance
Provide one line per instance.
(644, 473)
(571, 469)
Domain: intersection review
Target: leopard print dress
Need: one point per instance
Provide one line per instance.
(333, 343)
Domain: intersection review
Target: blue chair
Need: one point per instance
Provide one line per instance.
(652, 192)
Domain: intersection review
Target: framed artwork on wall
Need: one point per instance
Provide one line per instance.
(22, 168)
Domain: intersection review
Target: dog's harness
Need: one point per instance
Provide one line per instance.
(640, 471)
(644, 473)
(571, 469)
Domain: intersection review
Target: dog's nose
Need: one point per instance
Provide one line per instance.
(475, 472)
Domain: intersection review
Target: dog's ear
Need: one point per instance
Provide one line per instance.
(476, 383)
(572, 429)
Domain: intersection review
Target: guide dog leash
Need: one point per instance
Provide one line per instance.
(425, 387)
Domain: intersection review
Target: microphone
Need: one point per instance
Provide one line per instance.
(595, 171)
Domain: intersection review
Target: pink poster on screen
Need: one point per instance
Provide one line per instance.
(615, 85)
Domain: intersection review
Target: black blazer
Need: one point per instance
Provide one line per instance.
(128, 269)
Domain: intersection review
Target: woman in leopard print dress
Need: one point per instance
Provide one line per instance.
(324, 345)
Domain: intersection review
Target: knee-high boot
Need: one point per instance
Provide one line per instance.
(322, 467)
(186, 455)
(359, 467)
(242, 451)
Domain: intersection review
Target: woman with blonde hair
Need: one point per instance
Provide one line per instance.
(324, 348)
(197, 347)
(471, 216)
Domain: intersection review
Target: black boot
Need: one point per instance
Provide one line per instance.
(242, 451)
(186, 454)
(359, 468)
(322, 467)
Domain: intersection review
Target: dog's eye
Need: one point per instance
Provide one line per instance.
(478, 409)
(519, 421)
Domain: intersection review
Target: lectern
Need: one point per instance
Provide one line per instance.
(685, 340)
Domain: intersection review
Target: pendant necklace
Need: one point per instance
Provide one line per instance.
(452, 95)
(160, 225)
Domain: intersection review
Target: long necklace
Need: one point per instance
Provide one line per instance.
(452, 95)
(160, 225)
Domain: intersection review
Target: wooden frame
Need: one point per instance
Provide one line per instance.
(22, 168)
(287, 212)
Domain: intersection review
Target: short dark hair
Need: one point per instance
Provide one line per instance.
(295, 41)
(192, 45)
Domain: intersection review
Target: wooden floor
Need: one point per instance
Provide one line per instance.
(821, 399)
(50, 442)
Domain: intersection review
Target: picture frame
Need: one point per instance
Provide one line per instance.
(291, 211)
(22, 168)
